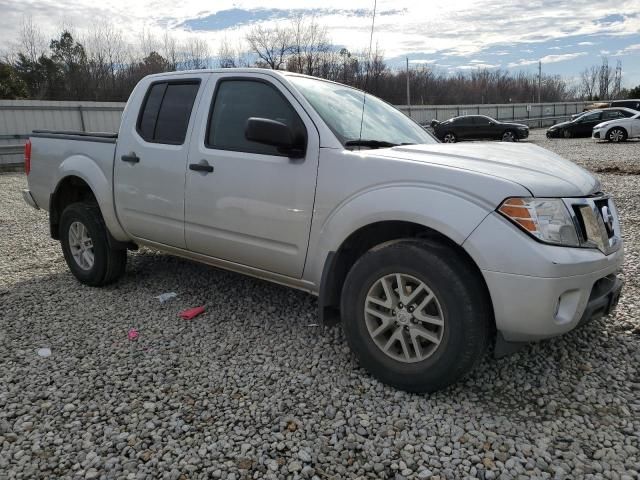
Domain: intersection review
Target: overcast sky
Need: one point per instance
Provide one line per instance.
(567, 35)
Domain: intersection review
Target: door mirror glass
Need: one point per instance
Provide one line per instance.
(274, 133)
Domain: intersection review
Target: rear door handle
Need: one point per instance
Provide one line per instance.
(131, 158)
(203, 166)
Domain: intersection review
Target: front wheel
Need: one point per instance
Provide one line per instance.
(415, 314)
(509, 136)
(450, 138)
(86, 247)
(567, 134)
(616, 135)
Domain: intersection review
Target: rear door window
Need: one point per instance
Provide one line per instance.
(165, 115)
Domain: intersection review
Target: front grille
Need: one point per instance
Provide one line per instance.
(596, 135)
(596, 221)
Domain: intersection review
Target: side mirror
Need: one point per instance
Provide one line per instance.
(277, 134)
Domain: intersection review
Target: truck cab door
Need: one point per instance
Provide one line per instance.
(246, 202)
(151, 158)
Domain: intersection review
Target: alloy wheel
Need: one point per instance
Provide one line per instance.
(404, 318)
(616, 135)
(81, 245)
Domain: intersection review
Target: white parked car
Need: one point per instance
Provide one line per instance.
(618, 130)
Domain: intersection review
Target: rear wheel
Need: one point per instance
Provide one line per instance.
(450, 138)
(616, 135)
(415, 314)
(86, 248)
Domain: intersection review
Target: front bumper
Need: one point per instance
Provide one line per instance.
(26, 194)
(522, 134)
(557, 133)
(534, 308)
(539, 290)
(596, 134)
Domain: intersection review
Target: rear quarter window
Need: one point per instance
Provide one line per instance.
(166, 110)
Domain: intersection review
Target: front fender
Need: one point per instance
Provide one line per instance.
(452, 213)
(89, 171)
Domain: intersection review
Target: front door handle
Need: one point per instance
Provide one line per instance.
(203, 166)
(131, 158)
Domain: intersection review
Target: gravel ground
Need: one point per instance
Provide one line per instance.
(252, 389)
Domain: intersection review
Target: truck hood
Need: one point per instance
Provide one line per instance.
(540, 171)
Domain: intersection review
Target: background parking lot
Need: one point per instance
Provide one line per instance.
(254, 388)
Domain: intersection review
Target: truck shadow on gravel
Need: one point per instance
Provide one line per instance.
(260, 325)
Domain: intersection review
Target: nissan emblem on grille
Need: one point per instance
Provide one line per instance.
(608, 218)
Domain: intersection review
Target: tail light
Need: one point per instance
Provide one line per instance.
(27, 157)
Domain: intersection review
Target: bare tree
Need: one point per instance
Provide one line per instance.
(147, 43)
(271, 45)
(589, 81)
(170, 50)
(32, 42)
(194, 54)
(226, 55)
(605, 78)
(310, 42)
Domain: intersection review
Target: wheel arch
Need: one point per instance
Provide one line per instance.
(339, 262)
(78, 178)
(626, 132)
(72, 189)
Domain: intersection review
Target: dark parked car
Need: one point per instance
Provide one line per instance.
(582, 126)
(633, 103)
(478, 127)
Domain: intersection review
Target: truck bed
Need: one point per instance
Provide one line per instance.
(90, 154)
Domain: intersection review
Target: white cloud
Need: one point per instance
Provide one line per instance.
(464, 28)
(586, 43)
(477, 66)
(547, 59)
(629, 49)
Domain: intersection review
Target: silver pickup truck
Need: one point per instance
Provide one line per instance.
(429, 253)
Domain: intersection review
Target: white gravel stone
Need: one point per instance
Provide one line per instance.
(249, 390)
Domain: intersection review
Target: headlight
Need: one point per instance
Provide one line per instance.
(546, 219)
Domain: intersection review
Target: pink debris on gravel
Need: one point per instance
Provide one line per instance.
(133, 334)
(191, 313)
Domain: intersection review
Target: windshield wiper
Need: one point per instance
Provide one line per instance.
(369, 143)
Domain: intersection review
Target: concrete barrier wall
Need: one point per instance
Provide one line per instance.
(19, 117)
(533, 114)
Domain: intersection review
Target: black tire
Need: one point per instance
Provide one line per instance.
(567, 134)
(109, 263)
(461, 296)
(513, 137)
(449, 137)
(617, 134)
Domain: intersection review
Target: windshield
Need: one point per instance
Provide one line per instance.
(341, 109)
